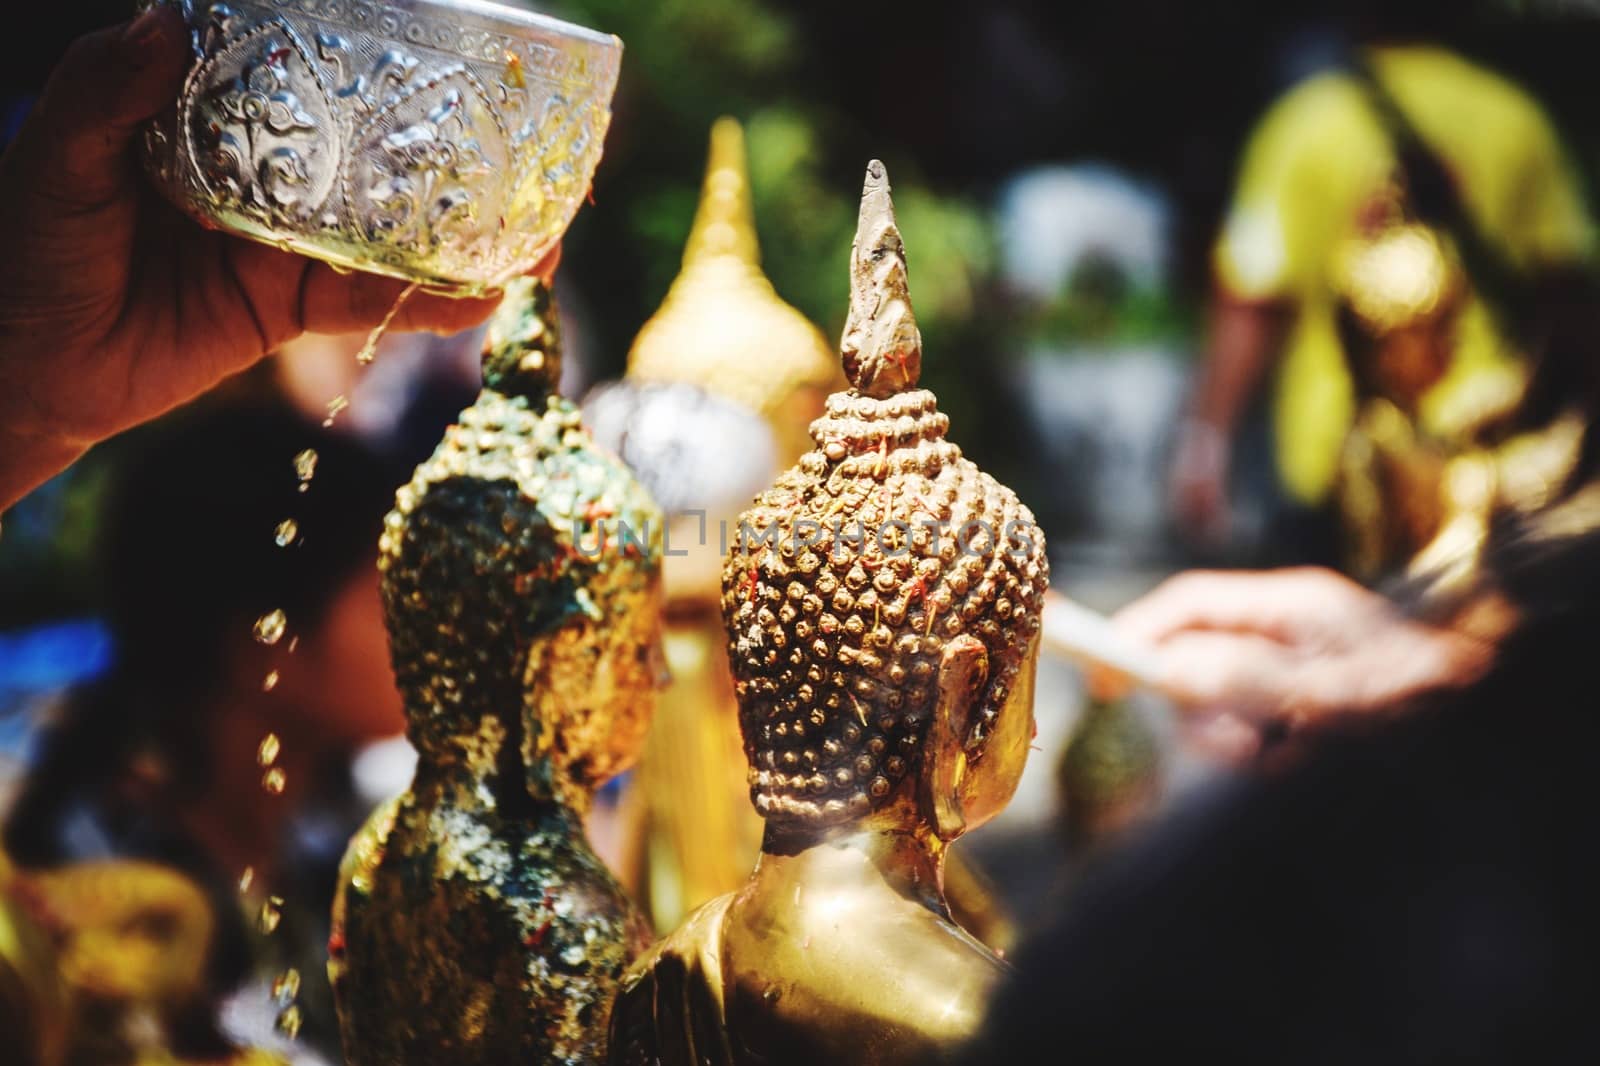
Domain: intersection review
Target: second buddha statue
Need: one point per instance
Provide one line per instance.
(474, 924)
(882, 605)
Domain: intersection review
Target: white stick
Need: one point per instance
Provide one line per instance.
(1074, 631)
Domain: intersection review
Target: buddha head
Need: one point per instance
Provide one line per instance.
(883, 598)
(520, 575)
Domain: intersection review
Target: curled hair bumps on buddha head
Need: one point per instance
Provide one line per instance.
(850, 575)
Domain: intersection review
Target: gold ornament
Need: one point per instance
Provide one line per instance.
(132, 942)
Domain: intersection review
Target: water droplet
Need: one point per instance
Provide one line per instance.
(267, 753)
(247, 879)
(269, 682)
(369, 350)
(305, 465)
(270, 626)
(294, 642)
(274, 780)
(335, 407)
(271, 914)
(286, 532)
(289, 1022)
(286, 986)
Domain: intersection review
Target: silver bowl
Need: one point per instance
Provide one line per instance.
(448, 142)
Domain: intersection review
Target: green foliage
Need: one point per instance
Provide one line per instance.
(1144, 314)
(695, 58)
(687, 62)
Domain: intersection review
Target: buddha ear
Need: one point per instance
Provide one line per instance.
(963, 669)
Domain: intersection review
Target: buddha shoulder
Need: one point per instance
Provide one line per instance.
(719, 993)
(905, 975)
(671, 999)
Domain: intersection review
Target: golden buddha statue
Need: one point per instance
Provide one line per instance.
(722, 327)
(882, 605)
(104, 962)
(721, 338)
(520, 573)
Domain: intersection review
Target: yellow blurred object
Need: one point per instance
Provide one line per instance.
(1316, 158)
(136, 932)
(33, 1001)
(701, 836)
(95, 958)
(722, 327)
(1524, 475)
(1389, 492)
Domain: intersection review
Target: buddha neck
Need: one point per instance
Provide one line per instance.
(460, 782)
(853, 859)
(485, 766)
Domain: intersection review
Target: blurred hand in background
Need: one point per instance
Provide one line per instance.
(1238, 651)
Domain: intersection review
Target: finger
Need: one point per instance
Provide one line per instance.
(107, 83)
(1278, 604)
(1396, 665)
(1181, 602)
(445, 316)
(342, 303)
(287, 295)
(1206, 672)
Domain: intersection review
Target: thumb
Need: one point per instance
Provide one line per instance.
(105, 85)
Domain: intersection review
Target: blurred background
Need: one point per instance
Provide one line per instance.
(1081, 189)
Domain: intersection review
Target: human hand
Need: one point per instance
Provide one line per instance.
(114, 307)
(1239, 650)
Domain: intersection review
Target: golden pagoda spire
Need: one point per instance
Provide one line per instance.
(882, 347)
(722, 328)
(725, 223)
